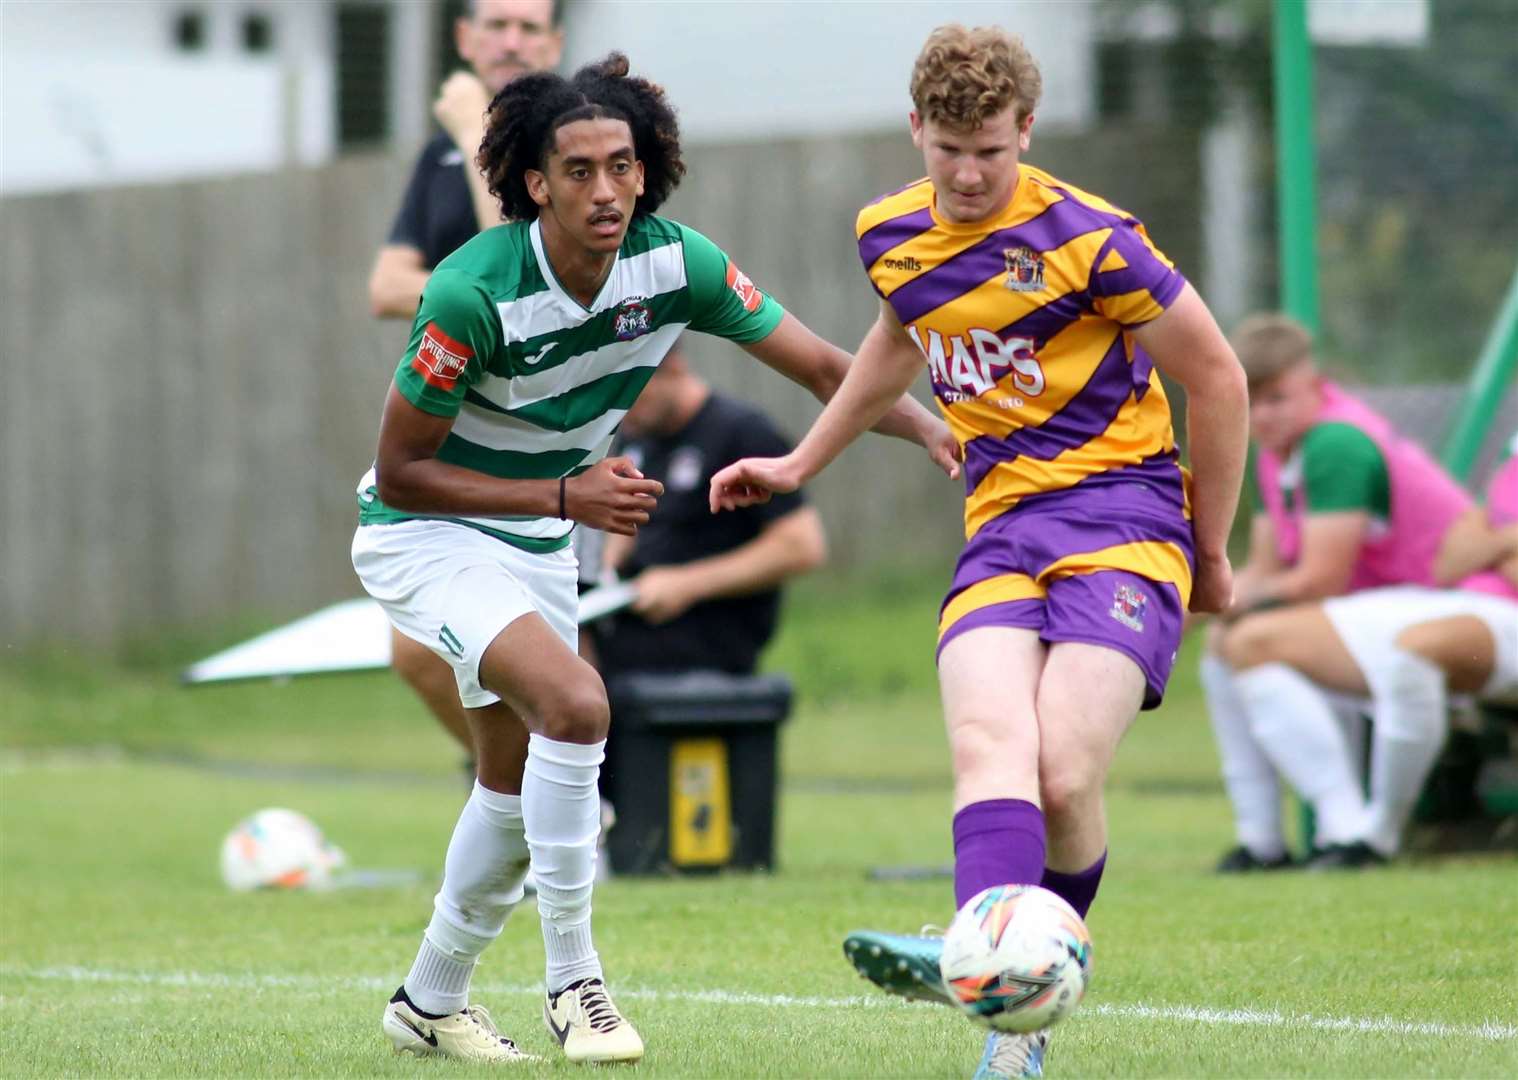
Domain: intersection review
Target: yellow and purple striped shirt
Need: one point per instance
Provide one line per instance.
(1025, 322)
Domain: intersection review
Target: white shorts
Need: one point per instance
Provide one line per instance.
(1369, 622)
(454, 589)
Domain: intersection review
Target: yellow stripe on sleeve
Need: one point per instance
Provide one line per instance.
(1132, 308)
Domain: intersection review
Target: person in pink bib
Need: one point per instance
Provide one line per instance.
(1343, 504)
(1407, 648)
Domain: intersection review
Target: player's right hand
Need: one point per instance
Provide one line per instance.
(611, 495)
(750, 481)
(1212, 586)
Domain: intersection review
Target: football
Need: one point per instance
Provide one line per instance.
(1016, 958)
(278, 849)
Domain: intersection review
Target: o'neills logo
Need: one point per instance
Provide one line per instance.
(908, 263)
(440, 359)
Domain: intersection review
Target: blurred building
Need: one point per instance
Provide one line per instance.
(107, 92)
(193, 191)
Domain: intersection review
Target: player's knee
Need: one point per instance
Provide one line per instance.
(1436, 641)
(1068, 786)
(981, 743)
(576, 712)
(1464, 649)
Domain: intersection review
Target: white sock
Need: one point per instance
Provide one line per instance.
(1248, 775)
(1295, 727)
(563, 815)
(1412, 720)
(482, 882)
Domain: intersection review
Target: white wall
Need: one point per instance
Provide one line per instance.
(748, 69)
(94, 92)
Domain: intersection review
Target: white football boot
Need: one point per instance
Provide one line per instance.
(469, 1034)
(588, 1025)
(1010, 1056)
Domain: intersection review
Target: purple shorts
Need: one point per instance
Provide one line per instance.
(1106, 565)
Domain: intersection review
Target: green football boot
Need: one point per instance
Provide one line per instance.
(902, 964)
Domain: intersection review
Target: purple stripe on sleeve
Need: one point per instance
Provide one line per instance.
(1085, 416)
(1057, 225)
(1127, 280)
(888, 234)
(1165, 293)
(1145, 269)
(1126, 241)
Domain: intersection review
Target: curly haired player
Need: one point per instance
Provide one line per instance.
(531, 342)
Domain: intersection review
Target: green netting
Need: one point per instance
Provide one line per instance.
(1416, 173)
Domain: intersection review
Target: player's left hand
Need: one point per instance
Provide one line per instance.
(460, 108)
(1212, 590)
(664, 593)
(944, 449)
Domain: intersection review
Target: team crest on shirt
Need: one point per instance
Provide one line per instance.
(1025, 269)
(1128, 607)
(633, 319)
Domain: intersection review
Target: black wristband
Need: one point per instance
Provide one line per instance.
(562, 479)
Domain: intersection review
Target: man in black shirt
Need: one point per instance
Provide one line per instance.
(708, 585)
(446, 203)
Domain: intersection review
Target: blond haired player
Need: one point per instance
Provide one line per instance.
(1042, 313)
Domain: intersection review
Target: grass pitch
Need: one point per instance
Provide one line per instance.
(121, 953)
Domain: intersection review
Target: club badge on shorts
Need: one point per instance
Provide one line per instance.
(1128, 605)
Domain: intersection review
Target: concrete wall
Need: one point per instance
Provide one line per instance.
(193, 381)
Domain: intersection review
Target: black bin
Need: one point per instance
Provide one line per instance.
(691, 771)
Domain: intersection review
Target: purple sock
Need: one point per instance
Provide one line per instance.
(996, 842)
(1077, 890)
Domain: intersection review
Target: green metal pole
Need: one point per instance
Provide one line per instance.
(1483, 394)
(1296, 195)
(1296, 179)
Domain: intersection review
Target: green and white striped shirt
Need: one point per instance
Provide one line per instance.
(537, 382)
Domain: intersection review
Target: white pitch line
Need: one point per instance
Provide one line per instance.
(1490, 1031)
